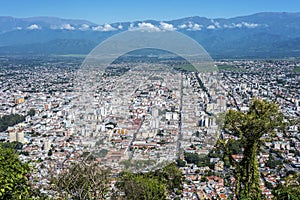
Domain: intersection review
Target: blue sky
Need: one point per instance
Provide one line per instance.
(109, 11)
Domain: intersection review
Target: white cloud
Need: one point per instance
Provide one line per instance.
(167, 27)
(144, 26)
(97, 28)
(211, 27)
(242, 24)
(67, 27)
(194, 27)
(84, 27)
(19, 28)
(33, 27)
(239, 25)
(250, 25)
(106, 27)
(197, 27)
(120, 26)
(147, 26)
(215, 23)
(233, 25)
(182, 26)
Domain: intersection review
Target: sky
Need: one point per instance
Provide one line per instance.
(109, 11)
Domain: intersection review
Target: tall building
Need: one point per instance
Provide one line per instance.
(20, 136)
(12, 136)
(16, 136)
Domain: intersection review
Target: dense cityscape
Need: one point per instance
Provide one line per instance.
(144, 116)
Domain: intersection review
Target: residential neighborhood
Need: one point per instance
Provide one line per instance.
(146, 117)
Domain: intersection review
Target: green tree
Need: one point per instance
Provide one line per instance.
(13, 176)
(262, 118)
(10, 120)
(83, 181)
(180, 163)
(31, 112)
(50, 152)
(191, 157)
(152, 185)
(236, 147)
(273, 163)
(172, 175)
(12, 145)
(205, 161)
(290, 190)
(141, 187)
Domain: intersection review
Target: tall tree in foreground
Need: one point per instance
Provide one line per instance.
(262, 118)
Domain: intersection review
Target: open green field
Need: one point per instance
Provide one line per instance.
(296, 70)
(229, 68)
(191, 68)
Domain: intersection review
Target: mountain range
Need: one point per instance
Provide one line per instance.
(261, 35)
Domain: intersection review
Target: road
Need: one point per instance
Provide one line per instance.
(180, 119)
(133, 139)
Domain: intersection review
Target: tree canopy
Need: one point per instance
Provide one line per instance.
(290, 190)
(31, 112)
(10, 120)
(83, 181)
(141, 187)
(13, 176)
(152, 185)
(262, 118)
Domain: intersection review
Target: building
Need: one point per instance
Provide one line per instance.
(16, 136)
(20, 136)
(19, 100)
(47, 145)
(12, 136)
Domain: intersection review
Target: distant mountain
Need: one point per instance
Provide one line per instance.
(56, 47)
(261, 35)
(11, 23)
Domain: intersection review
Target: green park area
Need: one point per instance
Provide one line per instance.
(297, 69)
